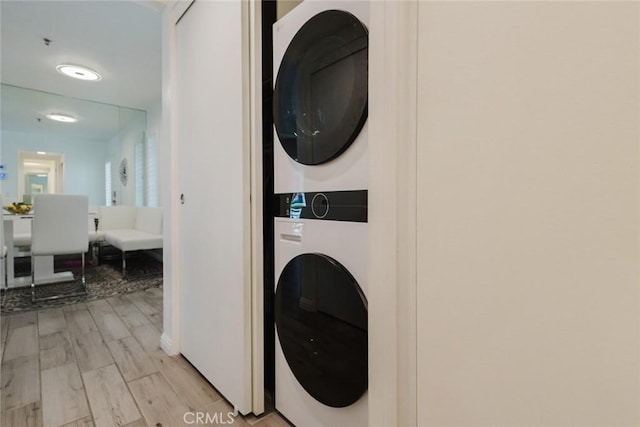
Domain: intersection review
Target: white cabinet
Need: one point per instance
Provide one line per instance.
(212, 149)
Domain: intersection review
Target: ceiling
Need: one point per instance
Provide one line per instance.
(119, 39)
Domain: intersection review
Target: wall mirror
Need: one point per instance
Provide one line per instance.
(104, 154)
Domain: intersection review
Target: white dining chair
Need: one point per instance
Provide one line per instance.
(59, 227)
(5, 288)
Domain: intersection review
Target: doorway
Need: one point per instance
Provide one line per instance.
(39, 172)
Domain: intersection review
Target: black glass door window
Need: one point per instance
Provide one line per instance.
(321, 319)
(321, 91)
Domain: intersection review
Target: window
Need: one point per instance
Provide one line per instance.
(139, 169)
(151, 171)
(107, 184)
(146, 172)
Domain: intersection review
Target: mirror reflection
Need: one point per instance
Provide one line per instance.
(106, 154)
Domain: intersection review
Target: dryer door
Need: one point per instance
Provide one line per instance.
(321, 319)
(321, 91)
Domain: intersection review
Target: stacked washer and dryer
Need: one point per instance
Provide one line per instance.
(321, 234)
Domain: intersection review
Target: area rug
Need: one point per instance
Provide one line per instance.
(103, 280)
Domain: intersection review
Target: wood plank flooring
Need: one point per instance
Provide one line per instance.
(63, 397)
(25, 416)
(21, 342)
(111, 402)
(100, 364)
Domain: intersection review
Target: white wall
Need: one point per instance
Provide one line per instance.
(527, 174)
(154, 118)
(83, 163)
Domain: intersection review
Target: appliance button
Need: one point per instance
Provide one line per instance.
(320, 205)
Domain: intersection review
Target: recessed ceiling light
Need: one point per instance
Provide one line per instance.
(61, 118)
(78, 72)
(41, 152)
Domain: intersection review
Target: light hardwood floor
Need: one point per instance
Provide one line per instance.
(100, 364)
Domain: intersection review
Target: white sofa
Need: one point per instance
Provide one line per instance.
(128, 228)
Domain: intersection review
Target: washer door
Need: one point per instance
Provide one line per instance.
(321, 92)
(321, 318)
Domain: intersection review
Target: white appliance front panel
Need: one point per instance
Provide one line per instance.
(349, 171)
(346, 242)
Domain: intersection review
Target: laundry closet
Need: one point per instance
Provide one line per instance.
(318, 223)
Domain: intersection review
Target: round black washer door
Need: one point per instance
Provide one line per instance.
(321, 92)
(321, 318)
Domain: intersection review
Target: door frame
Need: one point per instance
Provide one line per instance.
(393, 68)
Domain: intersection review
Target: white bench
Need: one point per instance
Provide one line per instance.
(129, 228)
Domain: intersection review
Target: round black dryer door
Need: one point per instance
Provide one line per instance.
(321, 318)
(321, 93)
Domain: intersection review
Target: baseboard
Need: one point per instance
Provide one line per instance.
(167, 345)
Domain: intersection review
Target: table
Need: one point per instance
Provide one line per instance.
(43, 264)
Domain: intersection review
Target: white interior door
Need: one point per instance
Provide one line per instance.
(213, 169)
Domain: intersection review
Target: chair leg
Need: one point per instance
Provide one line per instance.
(84, 283)
(33, 279)
(124, 264)
(6, 281)
(94, 253)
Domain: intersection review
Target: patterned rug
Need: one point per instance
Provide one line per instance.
(103, 280)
